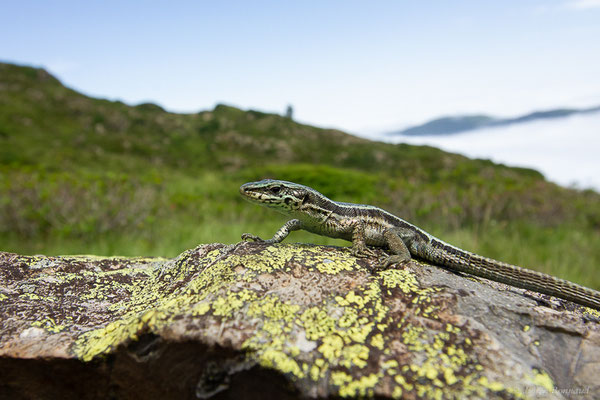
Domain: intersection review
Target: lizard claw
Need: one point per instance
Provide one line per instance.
(391, 262)
(395, 259)
(363, 252)
(248, 237)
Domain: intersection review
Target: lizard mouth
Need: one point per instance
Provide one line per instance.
(260, 196)
(247, 190)
(248, 193)
(252, 194)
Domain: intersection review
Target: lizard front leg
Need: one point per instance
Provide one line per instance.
(359, 246)
(282, 233)
(400, 253)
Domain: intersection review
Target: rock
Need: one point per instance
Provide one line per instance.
(282, 321)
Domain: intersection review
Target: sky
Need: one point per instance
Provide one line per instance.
(354, 65)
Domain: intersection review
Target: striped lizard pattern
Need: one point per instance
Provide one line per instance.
(365, 225)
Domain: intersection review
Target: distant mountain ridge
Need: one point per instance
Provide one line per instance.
(463, 123)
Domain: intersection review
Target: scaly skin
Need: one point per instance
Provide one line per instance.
(371, 226)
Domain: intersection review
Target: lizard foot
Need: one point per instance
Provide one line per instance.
(248, 237)
(395, 261)
(391, 262)
(363, 252)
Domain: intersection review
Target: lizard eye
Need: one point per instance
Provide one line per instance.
(275, 189)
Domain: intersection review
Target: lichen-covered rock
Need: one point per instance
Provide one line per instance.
(283, 321)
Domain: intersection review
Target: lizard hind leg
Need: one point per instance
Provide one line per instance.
(400, 253)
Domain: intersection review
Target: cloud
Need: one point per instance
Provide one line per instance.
(582, 4)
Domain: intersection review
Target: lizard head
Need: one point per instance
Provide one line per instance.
(285, 197)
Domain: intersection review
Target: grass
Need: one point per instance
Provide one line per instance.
(90, 176)
(164, 217)
(564, 252)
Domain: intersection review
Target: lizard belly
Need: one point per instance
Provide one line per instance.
(374, 235)
(331, 229)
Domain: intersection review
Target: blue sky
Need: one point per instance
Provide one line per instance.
(355, 65)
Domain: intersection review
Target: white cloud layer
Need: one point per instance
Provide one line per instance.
(565, 150)
(583, 4)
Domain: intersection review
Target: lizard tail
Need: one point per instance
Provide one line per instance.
(459, 260)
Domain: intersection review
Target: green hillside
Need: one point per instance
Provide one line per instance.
(85, 175)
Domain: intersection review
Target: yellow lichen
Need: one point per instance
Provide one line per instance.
(332, 346)
(359, 387)
(340, 378)
(30, 296)
(314, 373)
(377, 341)
(277, 359)
(329, 340)
(360, 331)
(399, 278)
(226, 306)
(49, 325)
(354, 355)
(449, 376)
(397, 393)
(317, 323)
(334, 265)
(201, 309)
(541, 378)
(591, 311)
(349, 318)
(494, 386)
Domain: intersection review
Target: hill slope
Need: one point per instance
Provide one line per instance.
(86, 175)
(41, 119)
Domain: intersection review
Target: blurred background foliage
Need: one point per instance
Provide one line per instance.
(84, 175)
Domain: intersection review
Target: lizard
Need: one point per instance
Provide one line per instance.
(366, 225)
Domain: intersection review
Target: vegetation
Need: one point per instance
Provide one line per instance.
(85, 175)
